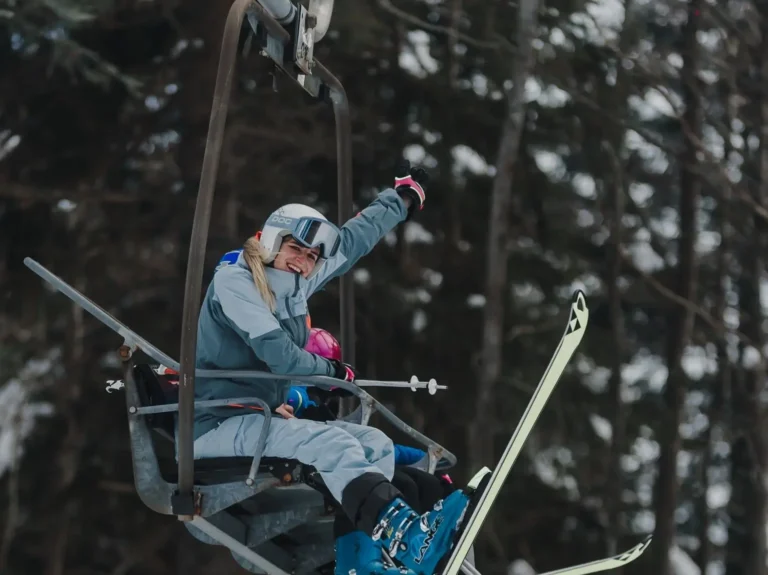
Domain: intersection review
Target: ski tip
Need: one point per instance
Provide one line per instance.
(579, 299)
(637, 550)
(579, 315)
(606, 564)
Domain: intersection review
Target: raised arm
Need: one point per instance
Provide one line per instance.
(245, 311)
(360, 234)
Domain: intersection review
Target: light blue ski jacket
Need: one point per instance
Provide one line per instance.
(236, 330)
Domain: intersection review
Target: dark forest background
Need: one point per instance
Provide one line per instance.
(616, 146)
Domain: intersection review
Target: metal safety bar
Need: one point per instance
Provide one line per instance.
(135, 341)
(257, 15)
(338, 97)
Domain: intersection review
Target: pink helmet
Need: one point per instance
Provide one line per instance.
(323, 344)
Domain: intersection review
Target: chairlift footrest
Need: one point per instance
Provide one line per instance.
(313, 479)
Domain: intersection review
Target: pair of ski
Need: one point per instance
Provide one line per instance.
(574, 332)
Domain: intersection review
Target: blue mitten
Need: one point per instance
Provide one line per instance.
(299, 400)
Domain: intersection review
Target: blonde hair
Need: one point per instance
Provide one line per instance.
(254, 255)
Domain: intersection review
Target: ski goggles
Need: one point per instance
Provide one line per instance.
(312, 233)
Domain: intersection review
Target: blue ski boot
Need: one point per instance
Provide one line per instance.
(358, 554)
(418, 542)
(355, 554)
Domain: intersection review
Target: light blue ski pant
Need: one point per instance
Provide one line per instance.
(340, 451)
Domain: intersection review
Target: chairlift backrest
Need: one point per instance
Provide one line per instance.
(155, 388)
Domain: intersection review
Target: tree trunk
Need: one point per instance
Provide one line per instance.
(746, 550)
(614, 481)
(681, 323)
(480, 438)
(615, 192)
(722, 384)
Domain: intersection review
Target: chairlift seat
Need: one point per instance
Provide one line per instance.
(271, 524)
(162, 389)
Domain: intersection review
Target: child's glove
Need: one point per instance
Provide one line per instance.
(299, 400)
(343, 370)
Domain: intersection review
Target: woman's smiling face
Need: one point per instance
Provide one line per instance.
(296, 258)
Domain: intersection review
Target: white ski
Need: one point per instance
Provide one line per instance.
(604, 564)
(585, 568)
(574, 331)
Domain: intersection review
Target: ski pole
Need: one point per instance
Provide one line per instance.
(413, 384)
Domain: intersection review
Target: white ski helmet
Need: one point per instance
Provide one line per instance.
(304, 224)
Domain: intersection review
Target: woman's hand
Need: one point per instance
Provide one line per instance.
(286, 411)
(410, 184)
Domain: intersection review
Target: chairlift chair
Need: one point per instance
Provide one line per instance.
(273, 514)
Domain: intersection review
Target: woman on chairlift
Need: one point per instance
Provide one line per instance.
(253, 317)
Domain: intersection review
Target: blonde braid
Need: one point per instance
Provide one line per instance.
(254, 256)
